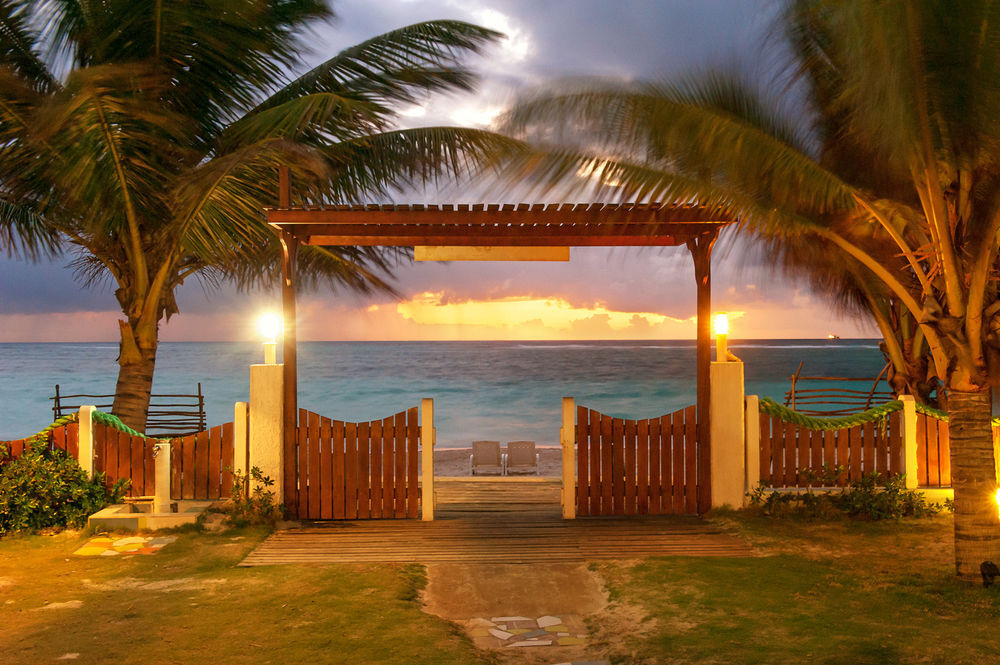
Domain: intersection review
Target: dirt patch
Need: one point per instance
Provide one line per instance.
(68, 605)
(5, 582)
(463, 591)
(176, 584)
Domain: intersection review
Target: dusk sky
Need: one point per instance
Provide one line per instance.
(600, 294)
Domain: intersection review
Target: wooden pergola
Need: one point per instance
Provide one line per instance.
(501, 226)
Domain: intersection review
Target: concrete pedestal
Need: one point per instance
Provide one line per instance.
(267, 430)
(727, 434)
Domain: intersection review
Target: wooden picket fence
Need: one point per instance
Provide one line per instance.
(636, 467)
(65, 438)
(201, 464)
(933, 452)
(346, 470)
(789, 451)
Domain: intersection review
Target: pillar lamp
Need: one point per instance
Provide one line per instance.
(721, 326)
(269, 325)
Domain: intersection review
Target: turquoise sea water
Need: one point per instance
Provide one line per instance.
(481, 390)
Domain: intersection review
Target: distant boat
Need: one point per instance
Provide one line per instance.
(832, 336)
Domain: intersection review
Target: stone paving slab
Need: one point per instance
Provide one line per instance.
(518, 631)
(107, 546)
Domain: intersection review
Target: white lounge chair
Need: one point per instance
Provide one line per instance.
(486, 458)
(521, 457)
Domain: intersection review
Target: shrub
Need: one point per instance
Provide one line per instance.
(46, 488)
(250, 506)
(871, 497)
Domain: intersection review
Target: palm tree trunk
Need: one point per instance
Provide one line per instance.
(136, 361)
(974, 477)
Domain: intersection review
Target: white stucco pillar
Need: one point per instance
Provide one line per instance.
(85, 436)
(267, 429)
(726, 416)
(161, 475)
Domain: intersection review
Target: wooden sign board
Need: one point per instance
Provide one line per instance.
(459, 253)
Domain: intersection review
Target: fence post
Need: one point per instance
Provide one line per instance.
(567, 439)
(241, 434)
(427, 435)
(267, 426)
(910, 441)
(85, 433)
(161, 474)
(752, 464)
(728, 473)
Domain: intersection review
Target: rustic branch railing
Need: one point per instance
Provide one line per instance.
(168, 415)
(851, 400)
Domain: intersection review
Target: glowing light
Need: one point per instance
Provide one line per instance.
(998, 501)
(721, 324)
(269, 325)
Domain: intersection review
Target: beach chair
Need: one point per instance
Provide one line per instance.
(486, 458)
(521, 457)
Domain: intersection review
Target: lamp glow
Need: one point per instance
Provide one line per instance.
(998, 502)
(270, 325)
(721, 325)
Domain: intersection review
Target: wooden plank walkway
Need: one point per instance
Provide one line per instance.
(488, 522)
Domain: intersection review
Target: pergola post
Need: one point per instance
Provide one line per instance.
(701, 251)
(289, 261)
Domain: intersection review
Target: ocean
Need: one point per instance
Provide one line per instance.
(482, 390)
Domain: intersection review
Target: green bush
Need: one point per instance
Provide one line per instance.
(46, 488)
(872, 497)
(250, 506)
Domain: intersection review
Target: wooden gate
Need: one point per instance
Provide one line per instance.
(636, 467)
(345, 470)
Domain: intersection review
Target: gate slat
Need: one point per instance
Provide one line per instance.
(315, 477)
(895, 444)
(656, 449)
(201, 466)
(631, 449)
(301, 462)
(137, 465)
(376, 473)
(412, 439)
(690, 459)
(215, 462)
(674, 446)
(789, 453)
(882, 450)
(765, 448)
(944, 453)
(582, 462)
(399, 465)
(829, 448)
(326, 468)
(338, 442)
(291, 445)
(857, 451)
(642, 467)
(802, 456)
(933, 452)
(666, 464)
(351, 471)
(388, 436)
(594, 418)
(228, 458)
(868, 448)
(365, 499)
(618, 465)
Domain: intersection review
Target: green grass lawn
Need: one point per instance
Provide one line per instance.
(189, 603)
(841, 592)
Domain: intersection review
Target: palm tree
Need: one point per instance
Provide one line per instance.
(883, 145)
(145, 134)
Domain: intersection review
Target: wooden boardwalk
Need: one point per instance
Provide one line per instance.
(496, 521)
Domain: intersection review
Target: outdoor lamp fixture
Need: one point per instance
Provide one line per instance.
(269, 325)
(721, 326)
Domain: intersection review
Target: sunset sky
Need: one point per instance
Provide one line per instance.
(600, 294)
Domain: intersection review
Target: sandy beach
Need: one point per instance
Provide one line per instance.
(455, 461)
